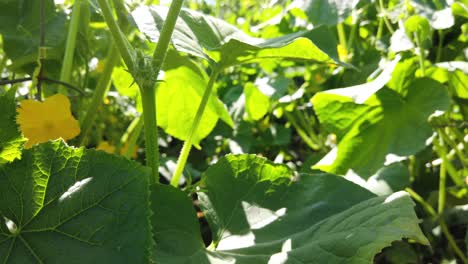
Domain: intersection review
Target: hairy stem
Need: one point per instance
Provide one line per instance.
(196, 121)
(148, 96)
(165, 37)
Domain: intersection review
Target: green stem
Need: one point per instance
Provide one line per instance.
(442, 223)
(165, 37)
(352, 34)
(442, 185)
(384, 16)
(126, 50)
(131, 145)
(427, 207)
(130, 130)
(98, 95)
(453, 145)
(188, 143)
(67, 62)
(451, 240)
(439, 45)
(309, 141)
(148, 96)
(342, 38)
(3, 63)
(379, 29)
(148, 92)
(421, 54)
(442, 153)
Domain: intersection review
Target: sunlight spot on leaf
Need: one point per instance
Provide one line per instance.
(395, 196)
(261, 217)
(233, 241)
(75, 188)
(392, 158)
(281, 257)
(11, 226)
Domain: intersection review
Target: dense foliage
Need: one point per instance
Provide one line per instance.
(233, 131)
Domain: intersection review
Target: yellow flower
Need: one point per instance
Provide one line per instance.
(106, 146)
(43, 121)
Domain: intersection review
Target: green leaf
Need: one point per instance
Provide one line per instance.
(328, 12)
(340, 116)
(124, 83)
(386, 126)
(259, 213)
(11, 140)
(257, 104)
(215, 40)
(460, 9)
(179, 96)
(389, 179)
(418, 27)
(60, 204)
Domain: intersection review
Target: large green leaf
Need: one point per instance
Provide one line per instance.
(216, 40)
(64, 205)
(179, 96)
(340, 116)
(11, 140)
(388, 124)
(260, 213)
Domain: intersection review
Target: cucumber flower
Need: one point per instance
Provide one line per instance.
(44, 121)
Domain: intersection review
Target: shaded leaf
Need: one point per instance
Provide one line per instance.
(328, 12)
(64, 205)
(19, 26)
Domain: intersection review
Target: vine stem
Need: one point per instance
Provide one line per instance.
(384, 16)
(42, 50)
(126, 50)
(67, 62)
(442, 185)
(165, 37)
(148, 94)
(442, 223)
(99, 93)
(421, 54)
(147, 87)
(196, 121)
(131, 140)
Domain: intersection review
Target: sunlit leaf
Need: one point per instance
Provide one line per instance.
(215, 40)
(11, 140)
(265, 216)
